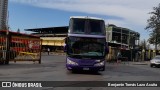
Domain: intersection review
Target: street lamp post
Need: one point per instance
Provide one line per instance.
(131, 52)
(121, 38)
(143, 53)
(7, 48)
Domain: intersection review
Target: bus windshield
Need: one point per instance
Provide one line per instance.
(90, 26)
(86, 47)
(78, 26)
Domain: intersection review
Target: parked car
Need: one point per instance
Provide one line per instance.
(155, 61)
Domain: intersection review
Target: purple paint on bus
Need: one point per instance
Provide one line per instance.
(85, 64)
(86, 45)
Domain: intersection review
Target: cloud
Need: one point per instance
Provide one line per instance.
(131, 12)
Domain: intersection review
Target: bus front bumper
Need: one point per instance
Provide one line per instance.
(86, 68)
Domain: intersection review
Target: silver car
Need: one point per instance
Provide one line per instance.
(155, 61)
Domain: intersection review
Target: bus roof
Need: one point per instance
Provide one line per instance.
(86, 17)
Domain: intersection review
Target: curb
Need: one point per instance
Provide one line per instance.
(62, 54)
(140, 63)
(54, 53)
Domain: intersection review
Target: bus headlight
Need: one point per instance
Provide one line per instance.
(71, 62)
(99, 64)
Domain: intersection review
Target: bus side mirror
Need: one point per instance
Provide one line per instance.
(107, 50)
(66, 39)
(65, 48)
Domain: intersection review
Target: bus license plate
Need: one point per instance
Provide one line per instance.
(85, 68)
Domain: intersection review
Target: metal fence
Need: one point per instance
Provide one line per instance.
(3, 50)
(17, 47)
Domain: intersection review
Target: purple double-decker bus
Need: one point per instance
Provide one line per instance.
(86, 45)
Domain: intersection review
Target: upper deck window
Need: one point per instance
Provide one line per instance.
(96, 26)
(79, 26)
(87, 26)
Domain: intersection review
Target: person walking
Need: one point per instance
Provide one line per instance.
(48, 50)
(119, 57)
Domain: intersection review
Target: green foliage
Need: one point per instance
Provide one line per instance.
(153, 25)
(152, 39)
(143, 44)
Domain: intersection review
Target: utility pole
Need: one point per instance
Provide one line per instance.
(121, 38)
(7, 47)
(156, 41)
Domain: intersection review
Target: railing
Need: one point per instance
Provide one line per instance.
(19, 48)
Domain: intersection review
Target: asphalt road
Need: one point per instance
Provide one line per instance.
(53, 69)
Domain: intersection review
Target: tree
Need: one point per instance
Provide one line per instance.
(153, 25)
(143, 44)
(148, 46)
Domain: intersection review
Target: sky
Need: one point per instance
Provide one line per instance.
(131, 14)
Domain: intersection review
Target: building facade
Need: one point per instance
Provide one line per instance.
(124, 40)
(52, 37)
(125, 37)
(3, 14)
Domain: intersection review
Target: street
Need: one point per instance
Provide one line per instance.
(53, 69)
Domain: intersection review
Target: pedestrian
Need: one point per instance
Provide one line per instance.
(139, 56)
(119, 57)
(48, 50)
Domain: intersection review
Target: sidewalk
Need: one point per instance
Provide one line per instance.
(140, 63)
(132, 63)
(54, 53)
